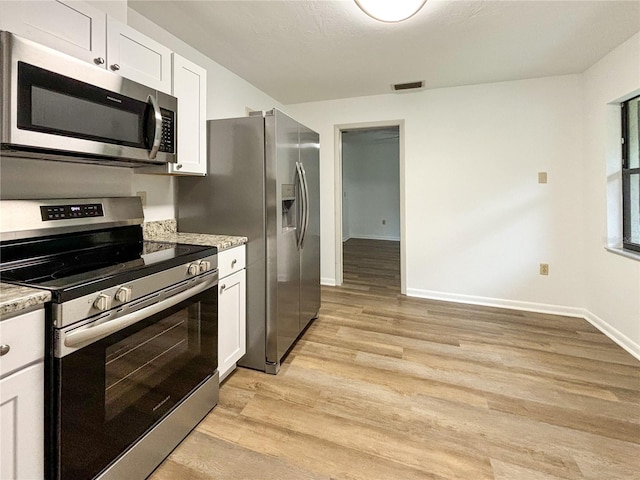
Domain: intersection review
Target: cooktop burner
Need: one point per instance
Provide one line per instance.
(69, 274)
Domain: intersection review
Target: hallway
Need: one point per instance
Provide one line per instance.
(372, 264)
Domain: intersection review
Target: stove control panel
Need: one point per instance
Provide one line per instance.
(66, 212)
(199, 267)
(118, 297)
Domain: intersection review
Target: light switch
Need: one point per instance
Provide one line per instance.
(542, 177)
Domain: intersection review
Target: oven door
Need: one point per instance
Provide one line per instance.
(109, 392)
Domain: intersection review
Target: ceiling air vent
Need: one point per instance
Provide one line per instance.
(403, 87)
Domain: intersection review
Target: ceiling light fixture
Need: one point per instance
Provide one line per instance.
(390, 10)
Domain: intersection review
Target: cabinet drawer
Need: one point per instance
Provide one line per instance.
(231, 261)
(24, 336)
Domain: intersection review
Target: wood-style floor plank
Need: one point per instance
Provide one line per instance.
(383, 386)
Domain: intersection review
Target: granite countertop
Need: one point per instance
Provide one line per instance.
(14, 299)
(166, 231)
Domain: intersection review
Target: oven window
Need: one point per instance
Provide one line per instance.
(137, 364)
(58, 105)
(66, 113)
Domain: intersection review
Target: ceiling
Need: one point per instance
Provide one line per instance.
(301, 51)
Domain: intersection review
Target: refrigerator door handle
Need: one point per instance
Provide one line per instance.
(306, 206)
(300, 208)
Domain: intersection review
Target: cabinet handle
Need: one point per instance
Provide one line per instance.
(115, 67)
(222, 287)
(178, 166)
(99, 61)
(4, 349)
(233, 263)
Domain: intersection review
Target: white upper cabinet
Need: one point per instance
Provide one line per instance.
(74, 28)
(190, 88)
(137, 57)
(83, 31)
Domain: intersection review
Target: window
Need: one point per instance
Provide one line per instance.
(631, 174)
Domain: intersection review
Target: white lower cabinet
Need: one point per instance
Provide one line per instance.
(232, 300)
(22, 424)
(22, 397)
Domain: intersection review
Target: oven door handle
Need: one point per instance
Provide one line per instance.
(86, 335)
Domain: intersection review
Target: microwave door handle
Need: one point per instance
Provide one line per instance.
(157, 136)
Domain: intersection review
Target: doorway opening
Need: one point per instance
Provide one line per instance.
(370, 206)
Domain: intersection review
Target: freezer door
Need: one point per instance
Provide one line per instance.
(310, 252)
(282, 155)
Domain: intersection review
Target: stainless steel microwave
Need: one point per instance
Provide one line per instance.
(59, 107)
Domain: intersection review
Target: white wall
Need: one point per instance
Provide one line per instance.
(228, 96)
(371, 186)
(613, 281)
(477, 222)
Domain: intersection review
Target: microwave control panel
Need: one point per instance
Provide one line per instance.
(168, 129)
(65, 212)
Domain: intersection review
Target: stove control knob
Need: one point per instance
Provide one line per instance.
(103, 302)
(205, 266)
(123, 294)
(193, 269)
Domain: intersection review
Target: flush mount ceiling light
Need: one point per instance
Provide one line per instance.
(390, 10)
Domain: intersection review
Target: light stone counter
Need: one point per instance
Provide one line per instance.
(165, 231)
(16, 299)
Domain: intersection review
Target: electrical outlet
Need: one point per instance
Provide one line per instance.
(544, 269)
(143, 197)
(384, 222)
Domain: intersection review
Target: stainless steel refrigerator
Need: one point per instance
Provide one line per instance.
(263, 183)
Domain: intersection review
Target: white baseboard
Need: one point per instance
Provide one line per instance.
(374, 237)
(330, 282)
(618, 337)
(497, 302)
(613, 333)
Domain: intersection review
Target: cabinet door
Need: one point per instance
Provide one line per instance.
(231, 321)
(74, 28)
(13, 332)
(190, 88)
(137, 57)
(22, 424)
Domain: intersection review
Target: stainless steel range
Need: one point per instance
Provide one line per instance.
(131, 334)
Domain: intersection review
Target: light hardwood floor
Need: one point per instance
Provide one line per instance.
(383, 386)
